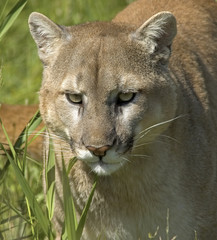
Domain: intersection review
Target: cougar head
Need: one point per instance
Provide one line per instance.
(104, 83)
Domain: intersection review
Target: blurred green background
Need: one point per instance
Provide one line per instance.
(20, 68)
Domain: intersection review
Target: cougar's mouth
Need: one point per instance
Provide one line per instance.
(101, 165)
(112, 160)
(104, 168)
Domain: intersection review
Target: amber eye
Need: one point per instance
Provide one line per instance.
(125, 97)
(74, 98)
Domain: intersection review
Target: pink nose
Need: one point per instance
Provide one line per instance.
(99, 152)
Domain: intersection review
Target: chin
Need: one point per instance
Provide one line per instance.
(105, 169)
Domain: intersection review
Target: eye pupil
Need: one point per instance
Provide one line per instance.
(74, 98)
(125, 97)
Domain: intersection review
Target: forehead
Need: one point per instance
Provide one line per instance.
(101, 62)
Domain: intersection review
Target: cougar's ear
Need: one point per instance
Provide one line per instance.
(46, 34)
(157, 34)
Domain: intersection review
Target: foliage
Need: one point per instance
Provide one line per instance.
(11, 17)
(27, 207)
(19, 200)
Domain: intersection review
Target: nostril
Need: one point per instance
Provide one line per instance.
(90, 148)
(101, 151)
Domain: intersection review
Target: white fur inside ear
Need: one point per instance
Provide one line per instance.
(45, 33)
(41, 26)
(157, 32)
(156, 28)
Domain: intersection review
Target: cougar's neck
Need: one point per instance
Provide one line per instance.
(138, 179)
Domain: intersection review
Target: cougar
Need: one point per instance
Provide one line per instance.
(134, 100)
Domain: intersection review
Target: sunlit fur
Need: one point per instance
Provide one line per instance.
(161, 144)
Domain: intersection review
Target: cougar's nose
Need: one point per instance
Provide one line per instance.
(99, 152)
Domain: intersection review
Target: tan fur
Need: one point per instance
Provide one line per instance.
(161, 146)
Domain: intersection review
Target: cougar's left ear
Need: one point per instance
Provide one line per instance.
(47, 35)
(157, 34)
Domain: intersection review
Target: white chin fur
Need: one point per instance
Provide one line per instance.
(84, 154)
(103, 169)
(107, 166)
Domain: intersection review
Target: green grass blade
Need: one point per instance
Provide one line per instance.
(18, 212)
(11, 17)
(81, 223)
(9, 141)
(30, 216)
(31, 126)
(41, 218)
(69, 209)
(71, 164)
(50, 197)
(50, 180)
(25, 153)
(3, 171)
(39, 133)
(3, 9)
(51, 161)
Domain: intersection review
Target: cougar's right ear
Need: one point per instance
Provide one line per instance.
(46, 34)
(157, 34)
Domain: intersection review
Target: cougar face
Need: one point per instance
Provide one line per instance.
(103, 89)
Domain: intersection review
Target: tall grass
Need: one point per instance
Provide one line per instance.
(21, 200)
(31, 214)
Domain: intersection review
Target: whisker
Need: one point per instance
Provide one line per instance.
(161, 123)
(121, 163)
(126, 159)
(91, 170)
(161, 135)
(58, 156)
(147, 143)
(140, 155)
(143, 144)
(171, 138)
(64, 150)
(143, 135)
(44, 133)
(53, 136)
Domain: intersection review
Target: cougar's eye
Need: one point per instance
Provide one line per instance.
(74, 98)
(125, 97)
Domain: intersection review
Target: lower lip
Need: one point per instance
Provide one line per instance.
(102, 168)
